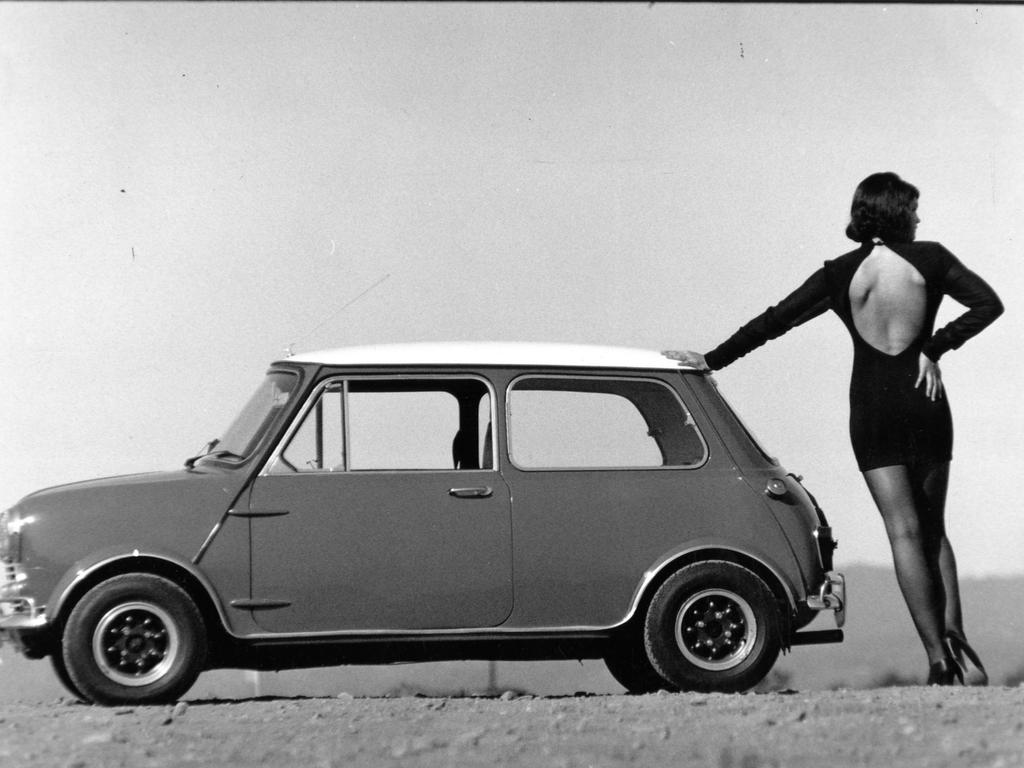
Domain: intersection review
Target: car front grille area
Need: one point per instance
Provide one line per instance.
(12, 578)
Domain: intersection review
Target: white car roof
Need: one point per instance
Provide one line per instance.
(498, 353)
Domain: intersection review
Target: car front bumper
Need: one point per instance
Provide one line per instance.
(20, 616)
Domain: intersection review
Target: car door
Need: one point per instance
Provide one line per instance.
(382, 509)
(609, 472)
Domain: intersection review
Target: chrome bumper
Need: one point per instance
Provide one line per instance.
(831, 596)
(17, 612)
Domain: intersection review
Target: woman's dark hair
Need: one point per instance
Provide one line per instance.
(883, 207)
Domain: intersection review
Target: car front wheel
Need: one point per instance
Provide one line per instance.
(713, 626)
(135, 638)
(59, 669)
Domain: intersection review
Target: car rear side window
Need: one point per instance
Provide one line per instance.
(560, 422)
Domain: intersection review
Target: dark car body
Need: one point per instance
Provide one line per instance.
(433, 501)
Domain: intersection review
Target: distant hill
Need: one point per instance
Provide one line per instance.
(881, 647)
(881, 640)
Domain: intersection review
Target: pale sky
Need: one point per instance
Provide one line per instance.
(190, 188)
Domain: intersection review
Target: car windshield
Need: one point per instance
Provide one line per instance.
(256, 417)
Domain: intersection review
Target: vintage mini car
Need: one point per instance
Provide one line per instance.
(434, 502)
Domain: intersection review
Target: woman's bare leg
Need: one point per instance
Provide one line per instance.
(914, 553)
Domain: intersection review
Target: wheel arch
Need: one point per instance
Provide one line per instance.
(661, 571)
(175, 571)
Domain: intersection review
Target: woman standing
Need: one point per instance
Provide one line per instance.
(887, 293)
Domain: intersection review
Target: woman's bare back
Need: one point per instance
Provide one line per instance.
(887, 301)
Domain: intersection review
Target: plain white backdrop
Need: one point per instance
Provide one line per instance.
(190, 188)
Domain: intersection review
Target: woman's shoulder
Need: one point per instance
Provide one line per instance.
(846, 262)
(927, 255)
(856, 255)
(923, 247)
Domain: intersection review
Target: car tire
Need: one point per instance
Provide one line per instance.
(713, 626)
(134, 639)
(61, 670)
(628, 663)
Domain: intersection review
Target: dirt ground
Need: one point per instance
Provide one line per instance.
(906, 727)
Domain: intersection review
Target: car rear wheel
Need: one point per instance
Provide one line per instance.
(135, 638)
(713, 626)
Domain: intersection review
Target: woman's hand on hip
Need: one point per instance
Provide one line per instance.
(692, 359)
(931, 376)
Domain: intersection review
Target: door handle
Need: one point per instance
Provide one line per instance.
(470, 493)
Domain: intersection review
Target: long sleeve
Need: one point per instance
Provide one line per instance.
(806, 302)
(983, 306)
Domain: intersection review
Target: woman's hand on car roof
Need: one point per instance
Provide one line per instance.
(691, 359)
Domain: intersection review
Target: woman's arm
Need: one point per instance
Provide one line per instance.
(806, 302)
(974, 293)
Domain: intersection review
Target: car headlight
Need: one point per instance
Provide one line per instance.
(5, 534)
(11, 524)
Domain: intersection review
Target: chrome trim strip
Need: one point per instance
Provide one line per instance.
(208, 540)
(386, 634)
(258, 512)
(346, 429)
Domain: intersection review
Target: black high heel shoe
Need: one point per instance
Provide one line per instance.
(959, 647)
(944, 672)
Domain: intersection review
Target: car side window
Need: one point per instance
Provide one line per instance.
(317, 444)
(402, 430)
(575, 423)
(392, 424)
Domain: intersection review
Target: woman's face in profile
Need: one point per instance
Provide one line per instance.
(914, 220)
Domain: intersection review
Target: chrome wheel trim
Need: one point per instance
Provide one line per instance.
(135, 644)
(715, 629)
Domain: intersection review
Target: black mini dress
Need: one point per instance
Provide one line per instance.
(891, 421)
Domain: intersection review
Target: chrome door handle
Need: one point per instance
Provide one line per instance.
(470, 493)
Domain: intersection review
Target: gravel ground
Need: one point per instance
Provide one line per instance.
(913, 726)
